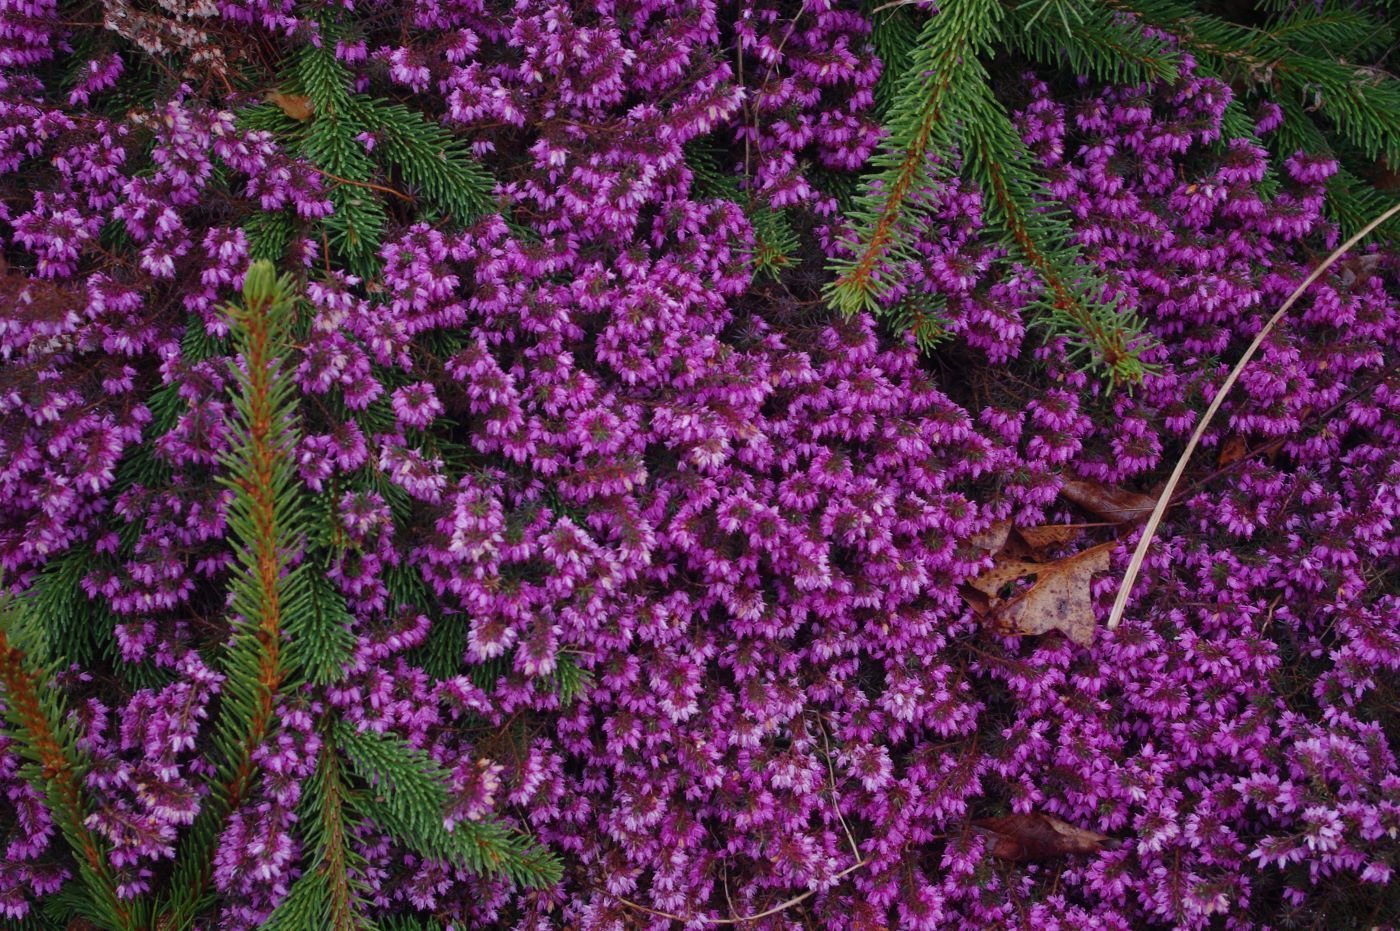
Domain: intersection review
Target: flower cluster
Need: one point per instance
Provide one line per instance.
(661, 562)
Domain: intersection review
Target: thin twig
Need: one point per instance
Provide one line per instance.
(835, 804)
(1164, 499)
(363, 184)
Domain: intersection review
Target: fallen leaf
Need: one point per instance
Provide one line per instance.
(1049, 536)
(980, 604)
(1232, 450)
(1358, 268)
(1036, 836)
(294, 105)
(1059, 599)
(1115, 505)
(1003, 573)
(993, 538)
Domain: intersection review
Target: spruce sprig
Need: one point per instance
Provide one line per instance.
(54, 765)
(942, 118)
(409, 799)
(267, 596)
(1308, 58)
(362, 145)
(355, 228)
(944, 104)
(994, 156)
(326, 895)
(920, 122)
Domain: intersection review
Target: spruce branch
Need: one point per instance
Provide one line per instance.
(42, 737)
(326, 896)
(429, 157)
(1092, 40)
(935, 98)
(354, 141)
(265, 596)
(919, 122)
(945, 103)
(320, 641)
(1299, 54)
(1351, 201)
(409, 800)
(1017, 202)
(895, 33)
(356, 227)
(775, 241)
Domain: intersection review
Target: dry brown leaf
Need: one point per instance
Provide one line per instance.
(1115, 505)
(1232, 451)
(1036, 836)
(1003, 572)
(1358, 268)
(294, 105)
(980, 604)
(993, 538)
(1058, 600)
(1049, 536)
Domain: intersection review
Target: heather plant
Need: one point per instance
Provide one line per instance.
(532, 547)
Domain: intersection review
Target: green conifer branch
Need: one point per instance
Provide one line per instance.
(935, 98)
(919, 122)
(269, 235)
(434, 162)
(356, 227)
(429, 157)
(1352, 202)
(1091, 40)
(265, 597)
(320, 641)
(999, 161)
(326, 896)
(775, 240)
(409, 798)
(43, 738)
(895, 32)
(945, 102)
(1333, 30)
(1300, 55)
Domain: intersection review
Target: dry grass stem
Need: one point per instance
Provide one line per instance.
(1164, 499)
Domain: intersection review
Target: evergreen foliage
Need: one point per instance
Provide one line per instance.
(409, 800)
(290, 630)
(269, 599)
(942, 117)
(326, 895)
(371, 152)
(34, 711)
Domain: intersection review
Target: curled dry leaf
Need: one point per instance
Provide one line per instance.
(1049, 536)
(1115, 505)
(1232, 451)
(1005, 537)
(295, 106)
(993, 539)
(1059, 599)
(1036, 836)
